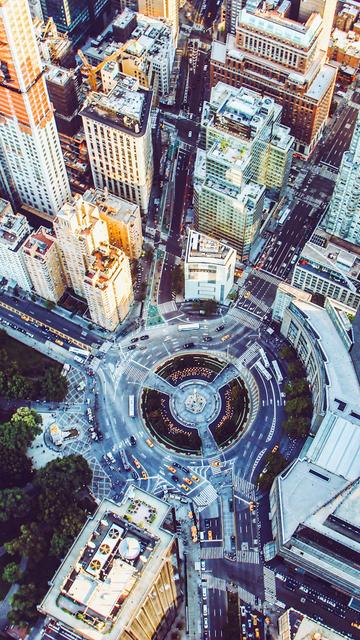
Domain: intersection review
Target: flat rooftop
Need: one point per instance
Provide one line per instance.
(274, 24)
(111, 205)
(110, 567)
(122, 109)
(305, 628)
(39, 242)
(201, 246)
(332, 259)
(336, 446)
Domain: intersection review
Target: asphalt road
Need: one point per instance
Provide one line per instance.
(339, 139)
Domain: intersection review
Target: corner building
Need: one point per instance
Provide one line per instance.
(281, 58)
(119, 579)
(32, 169)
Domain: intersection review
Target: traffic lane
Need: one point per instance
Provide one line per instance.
(165, 284)
(339, 138)
(217, 613)
(52, 319)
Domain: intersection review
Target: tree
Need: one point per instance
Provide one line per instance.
(287, 353)
(15, 468)
(19, 387)
(299, 406)
(30, 543)
(23, 605)
(69, 527)
(299, 387)
(296, 369)
(12, 573)
(49, 304)
(54, 386)
(23, 427)
(297, 426)
(14, 503)
(210, 307)
(275, 463)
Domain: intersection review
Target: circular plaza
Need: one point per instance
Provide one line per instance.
(196, 403)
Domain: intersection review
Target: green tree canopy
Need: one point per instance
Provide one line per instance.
(69, 527)
(30, 543)
(275, 463)
(18, 386)
(54, 386)
(14, 503)
(12, 573)
(297, 426)
(15, 468)
(23, 605)
(23, 427)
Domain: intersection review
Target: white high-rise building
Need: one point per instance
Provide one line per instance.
(14, 230)
(209, 268)
(32, 168)
(343, 216)
(118, 135)
(168, 9)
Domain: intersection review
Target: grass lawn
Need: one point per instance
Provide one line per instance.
(31, 362)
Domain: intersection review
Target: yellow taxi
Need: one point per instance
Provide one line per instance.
(149, 443)
(137, 463)
(171, 469)
(183, 486)
(210, 534)
(188, 481)
(195, 478)
(144, 474)
(224, 338)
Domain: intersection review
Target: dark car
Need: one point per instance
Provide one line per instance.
(220, 328)
(131, 347)
(207, 339)
(175, 478)
(134, 339)
(132, 441)
(188, 345)
(146, 337)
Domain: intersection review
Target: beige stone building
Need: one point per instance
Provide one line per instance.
(42, 259)
(120, 577)
(122, 219)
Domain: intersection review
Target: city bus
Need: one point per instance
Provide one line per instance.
(131, 404)
(261, 369)
(189, 327)
(264, 358)
(278, 373)
(284, 215)
(124, 460)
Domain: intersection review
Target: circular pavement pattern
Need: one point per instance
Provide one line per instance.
(196, 403)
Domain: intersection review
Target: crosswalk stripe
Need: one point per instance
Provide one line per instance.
(205, 497)
(247, 489)
(244, 318)
(167, 307)
(211, 553)
(248, 557)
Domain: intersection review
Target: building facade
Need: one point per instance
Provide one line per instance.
(32, 169)
(14, 230)
(281, 58)
(168, 9)
(330, 267)
(285, 293)
(343, 216)
(130, 570)
(93, 267)
(76, 18)
(294, 625)
(122, 219)
(118, 135)
(43, 263)
(209, 268)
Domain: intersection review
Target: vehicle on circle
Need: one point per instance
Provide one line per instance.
(137, 463)
(195, 478)
(149, 443)
(131, 347)
(132, 441)
(207, 339)
(183, 486)
(188, 345)
(171, 469)
(210, 534)
(145, 337)
(356, 625)
(175, 478)
(136, 339)
(274, 449)
(215, 463)
(134, 475)
(187, 480)
(257, 632)
(226, 337)
(190, 515)
(252, 506)
(220, 328)
(144, 474)
(59, 342)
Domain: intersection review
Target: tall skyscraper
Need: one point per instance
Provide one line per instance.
(343, 216)
(118, 135)
(74, 17)
(168, 9)
(282, 58)
(32, 169)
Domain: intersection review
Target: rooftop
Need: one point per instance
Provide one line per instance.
(110, 567)
(122, 109)
(39, 242)
(275, 24)
(111, 205)
(336, 446)
(332, 258)
(200, 246)
(323, 80)
(304, 628)
(342, 384)
(14, 227)
(59, 75)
